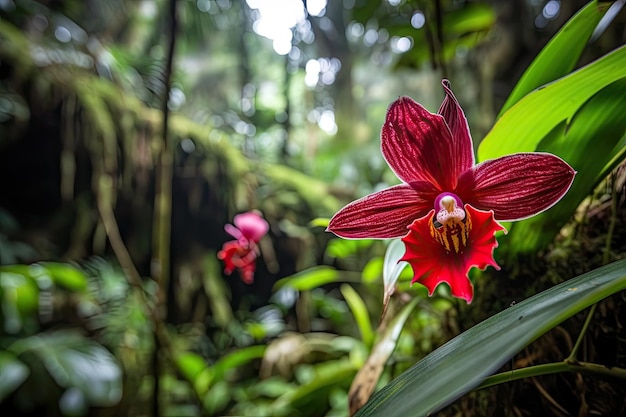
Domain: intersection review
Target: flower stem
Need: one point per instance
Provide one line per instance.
(571, 359)
(584, 368)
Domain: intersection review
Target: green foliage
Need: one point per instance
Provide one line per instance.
(466, 360)
(360, 313)
(580, 118)
(365, 380)
(13, 373)
(21, 285)
(309, 279)
(87, 374)
(560, 56)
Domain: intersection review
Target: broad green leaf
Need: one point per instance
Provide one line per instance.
(342, 248)
(217, 398)
(312, 398)
(365, 380)
(532, 118)
(309, 278)
(392, 269)
(19, 296)
(65, 275)
(13, 373)
(579, 118)
(560, 55)
(593, 142)
(463, 362)
(359, 312)
(216, 292)
(474, 17)
(236, 358)
(74, 361)
(372, 270)
(190, 365)
(319, 222)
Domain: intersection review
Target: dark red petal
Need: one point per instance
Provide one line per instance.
(381, 215)
(455, 119)
(432, 264)
(247, 269)
(227, 254)
(516, 186)
(418, 146)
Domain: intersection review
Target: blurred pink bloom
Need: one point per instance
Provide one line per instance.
(241, 254)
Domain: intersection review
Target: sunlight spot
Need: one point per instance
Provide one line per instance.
(312, 69)
(316, 7)
(203, 5)
(62, 34)
(418, 19)
(541, 22)
(551, 9)
(282, 46)
(276, 19)
(327, 122)
(356, 30)
(401, 44)
(187, 145)
(370, 38)
(148, 9)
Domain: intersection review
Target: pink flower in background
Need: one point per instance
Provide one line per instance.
(241, 254)
(446, 208)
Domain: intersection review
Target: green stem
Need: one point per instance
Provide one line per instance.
(572, 356)
(609, 234)
(571, 359)
(584, 368)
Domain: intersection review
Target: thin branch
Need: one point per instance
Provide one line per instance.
(162, 216)
(585, 368)
(112, 231)
(571, 359)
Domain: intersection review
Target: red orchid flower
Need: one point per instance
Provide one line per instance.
(447, 206)
(241, 254)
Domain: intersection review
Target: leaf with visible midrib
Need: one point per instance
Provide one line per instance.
(560, 55)
(465, 361)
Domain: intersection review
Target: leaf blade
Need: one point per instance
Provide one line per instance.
(560, 55)
(446, 374)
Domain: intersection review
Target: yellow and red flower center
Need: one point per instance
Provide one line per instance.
(450, 226)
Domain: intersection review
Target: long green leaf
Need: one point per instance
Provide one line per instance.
(462, 363)
(560, 55)
(312, 397)
(13, 373)
(309, 278)
(580, 118)
(359, 312)
(594, 142)
(366, 379)
(531, 119)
